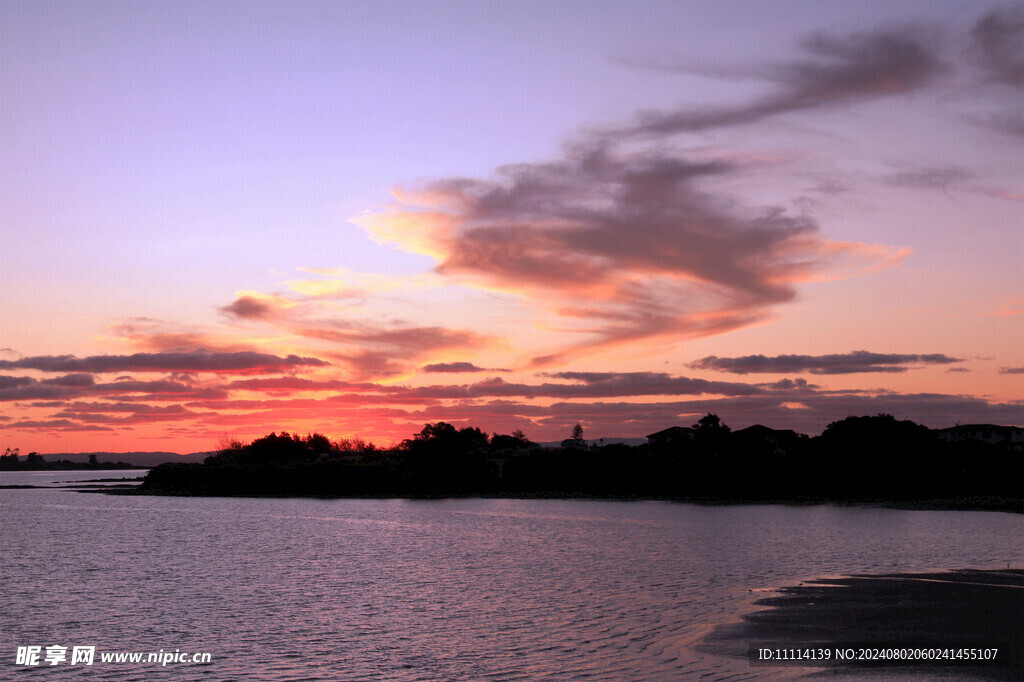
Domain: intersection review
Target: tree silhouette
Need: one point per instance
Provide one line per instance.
(710, 428)
(34, 460)
(9, 460)
(575, 441)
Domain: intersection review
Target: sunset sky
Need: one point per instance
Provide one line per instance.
(219, 220)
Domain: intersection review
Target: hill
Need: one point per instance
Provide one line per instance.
(148, 459)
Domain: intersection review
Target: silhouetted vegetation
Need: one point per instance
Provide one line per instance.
(857, 459)
(10, 461)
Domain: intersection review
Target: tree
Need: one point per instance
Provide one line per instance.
(9, 460)
(507, 445)
(34, 460)
(710, 428)
(442, 456)
(575, 441)
(92, 460)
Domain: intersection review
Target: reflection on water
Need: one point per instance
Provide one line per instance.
(452, 589)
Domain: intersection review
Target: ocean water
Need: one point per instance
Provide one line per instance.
(474, 589)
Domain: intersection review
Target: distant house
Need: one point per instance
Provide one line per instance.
(775, 441)
(1010, 436)
(673, 435)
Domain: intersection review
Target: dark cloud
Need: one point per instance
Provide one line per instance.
(71, 380)
(846, 363)
(457, 367)
(63, 389)
(55, 425)
(195, 361)
(248, 307)
(943, 178)
(31, 390)
(837, 70)
(111, 413)
(1011, 370)
(790, 385)
(998, 44)
(8, 382)
(156, 390)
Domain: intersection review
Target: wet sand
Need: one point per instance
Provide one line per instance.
(957, 610)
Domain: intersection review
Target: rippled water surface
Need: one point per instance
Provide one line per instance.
(289, 589)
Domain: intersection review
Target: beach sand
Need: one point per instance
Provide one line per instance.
(954, 611)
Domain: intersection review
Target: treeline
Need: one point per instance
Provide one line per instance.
(10, 461)
(856, 459)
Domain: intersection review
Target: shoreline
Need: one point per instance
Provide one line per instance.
(959, 609)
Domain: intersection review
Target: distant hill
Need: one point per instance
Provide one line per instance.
(148, 459)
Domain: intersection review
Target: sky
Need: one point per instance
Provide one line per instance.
(219, 220)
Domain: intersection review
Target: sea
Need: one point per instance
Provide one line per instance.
(450, 589)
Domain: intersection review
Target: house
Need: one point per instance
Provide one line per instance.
(778, 442)
(1011, 437)
(674, 435)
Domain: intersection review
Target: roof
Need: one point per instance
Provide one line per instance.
(761, 430)
(671, 431)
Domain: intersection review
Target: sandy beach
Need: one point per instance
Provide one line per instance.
(957, 619)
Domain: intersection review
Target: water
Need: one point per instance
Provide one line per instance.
(57, 479)
(292, 589)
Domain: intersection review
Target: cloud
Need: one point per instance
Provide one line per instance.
(250, 307)
(194, 361)
(837, 70)
(846, 363)
(457, 367)
(607, 403)
(583, 385)
(790, 385)
(72, 380)
(941, 178)
(153, 334)
(9, 382)
(109, 413)
(1011, 370)
(77, 386)
(997, 48)
(55, 425)
(998, 44)
(293, 383)
(620, 246)
(378, 351)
